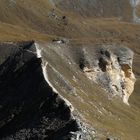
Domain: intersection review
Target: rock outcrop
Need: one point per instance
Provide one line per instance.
(113, 71)
(135, 4)
(46, 92)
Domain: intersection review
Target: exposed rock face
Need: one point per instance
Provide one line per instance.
(135, 4)
(113, 71)
(33, 75)
(29, 108)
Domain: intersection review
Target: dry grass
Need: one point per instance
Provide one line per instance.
(116, 119)
(138, 10)
(28, 20)
(16, 33)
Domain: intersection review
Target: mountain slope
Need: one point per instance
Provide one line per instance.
(94, 8)
(62, 30)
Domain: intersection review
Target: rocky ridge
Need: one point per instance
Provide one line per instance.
(30, 109)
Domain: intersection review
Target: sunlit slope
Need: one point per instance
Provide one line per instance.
(37, 15)
(28, 14)
(31, 20)
(95, 8)
(10, 32)
(108, 116)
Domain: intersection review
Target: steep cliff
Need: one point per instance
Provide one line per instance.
(29, 108)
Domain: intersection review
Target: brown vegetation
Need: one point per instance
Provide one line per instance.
(34, 20)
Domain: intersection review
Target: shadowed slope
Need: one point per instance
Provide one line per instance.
(29, 108)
